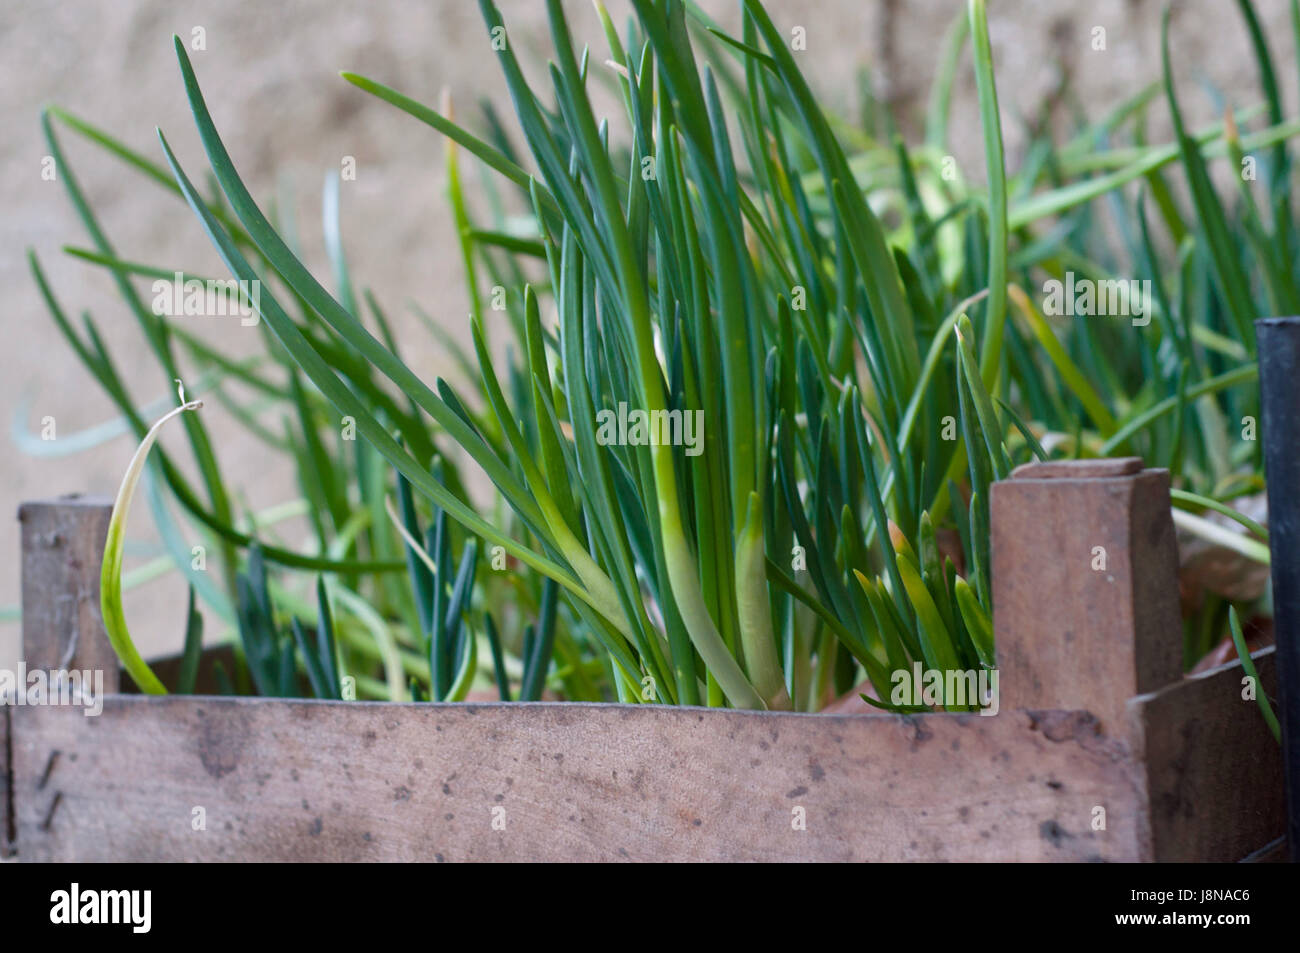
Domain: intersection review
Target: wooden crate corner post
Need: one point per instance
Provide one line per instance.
(1087, 615)
(62, 627)
(63, 547)
(1096, 622)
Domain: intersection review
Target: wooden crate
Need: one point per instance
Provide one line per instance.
(1096, 722)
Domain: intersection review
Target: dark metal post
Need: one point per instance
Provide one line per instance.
(1278, 340)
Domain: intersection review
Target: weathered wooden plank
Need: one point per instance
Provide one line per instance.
(1213, 770)
(303, 780)
(63, 545)
(1186, 772)
(1085, 588)
(6, 786)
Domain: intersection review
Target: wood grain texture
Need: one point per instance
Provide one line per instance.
(339, 781)
(1085, 591)
(63, 546)
(1213, 769)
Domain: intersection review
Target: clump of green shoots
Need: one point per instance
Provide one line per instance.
(860, 331)
(796, 331)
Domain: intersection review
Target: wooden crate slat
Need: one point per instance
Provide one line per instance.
(1214, 771)
(302, 780)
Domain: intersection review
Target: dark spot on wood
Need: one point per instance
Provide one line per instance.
(439, 858)
(219, 749)
(1064, 725)
(921, 734)
(317, 826)
(368, 738)
(816, 771)
(1055, 785)
(401, 793)
(964, 813)
(1054, 832)
(696, 823)
(305, 805)
(449, 817)
(800, 791)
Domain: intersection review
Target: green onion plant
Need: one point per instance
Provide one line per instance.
(829, 345)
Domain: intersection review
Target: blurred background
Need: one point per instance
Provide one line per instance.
(270, 74)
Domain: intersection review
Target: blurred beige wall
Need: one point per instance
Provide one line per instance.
(269, 72)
